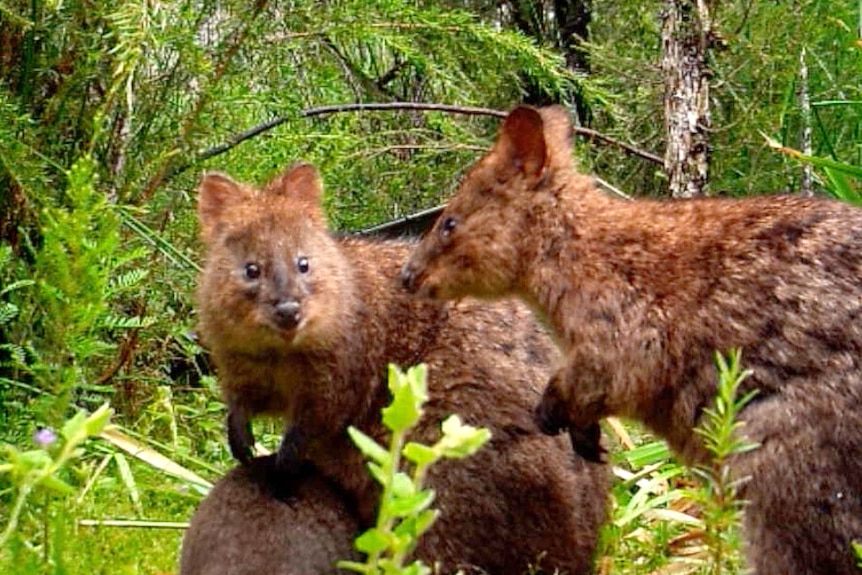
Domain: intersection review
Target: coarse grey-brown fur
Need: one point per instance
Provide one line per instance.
(322, 365)
(641, 294)
(243, 527)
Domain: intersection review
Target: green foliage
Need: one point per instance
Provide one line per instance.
(40, 468)
(650, 512)
(840, 179)
(81, 271)
(671, 518)
(109, 111)
(754, 64)
(720, 430)
(405, 506)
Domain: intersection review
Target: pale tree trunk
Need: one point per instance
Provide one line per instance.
(685, 41)
(806, 185)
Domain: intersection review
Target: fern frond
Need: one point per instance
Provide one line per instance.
(133, 322)
(8, 312)
(126, 281)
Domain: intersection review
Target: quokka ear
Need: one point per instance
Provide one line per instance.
(300, 183)
(558, 130)
(521, 142)
(217, 193)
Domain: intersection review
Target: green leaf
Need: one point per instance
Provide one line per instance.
(129, 481)
(397, 378)
(460, 440)
(97, 421)
(75, 428)
(354, 566)
(8, 312)
(372, 541)
(857, 551)
(54, 483)
(416, 568)
(33, 459)
(419, 454)
(417, 378)
(402, 485)
(415, 526)
(16, 285)
(841, 188)
(369, 448)
(406, 506)
(405, 410)
(377, 473)
(824, 163)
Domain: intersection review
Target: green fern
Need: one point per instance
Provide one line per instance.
(82, 271)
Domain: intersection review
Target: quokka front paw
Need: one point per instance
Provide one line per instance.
(558, 411)
(289, 459)
(290, 465)
(239, 436)
(552, 413)
(588, 443)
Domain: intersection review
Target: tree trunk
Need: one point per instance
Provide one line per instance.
(685, 41)
(806, 185)
(573, 23)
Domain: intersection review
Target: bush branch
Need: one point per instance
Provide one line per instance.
(241, 137)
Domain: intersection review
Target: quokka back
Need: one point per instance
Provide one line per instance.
(246, 527)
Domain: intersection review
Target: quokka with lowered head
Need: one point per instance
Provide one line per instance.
(641, 294)
(302, 326)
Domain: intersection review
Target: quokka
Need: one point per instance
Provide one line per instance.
(641, 294)
(244, 527)
(302, 326)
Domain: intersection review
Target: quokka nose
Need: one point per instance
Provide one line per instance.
(287, 313)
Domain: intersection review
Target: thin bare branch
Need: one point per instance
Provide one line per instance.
(400, 106)
(241, 137)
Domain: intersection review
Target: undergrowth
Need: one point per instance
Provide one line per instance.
(77, 495)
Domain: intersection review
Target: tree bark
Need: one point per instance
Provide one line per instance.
(806, 185)
(573, 29)
(685, 41)
(573, 21)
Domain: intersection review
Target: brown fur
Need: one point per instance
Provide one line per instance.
(243, 528)
(641, 294)
(324, 368)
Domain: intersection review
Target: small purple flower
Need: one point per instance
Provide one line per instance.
(44, 437)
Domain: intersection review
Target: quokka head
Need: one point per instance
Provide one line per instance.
(475, 246)
(273, 273)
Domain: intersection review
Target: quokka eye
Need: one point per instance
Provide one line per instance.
(449, 224)
(251, 271)
(302, 265)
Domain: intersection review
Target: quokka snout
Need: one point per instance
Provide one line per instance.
(302, 325)
(640, 295)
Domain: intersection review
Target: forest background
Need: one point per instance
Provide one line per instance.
(110, 112)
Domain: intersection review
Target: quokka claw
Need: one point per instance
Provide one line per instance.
(239, 437)
(288, 458)
(587, 443)
(551, 414)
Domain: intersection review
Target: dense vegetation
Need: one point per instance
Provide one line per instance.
(110, 111)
